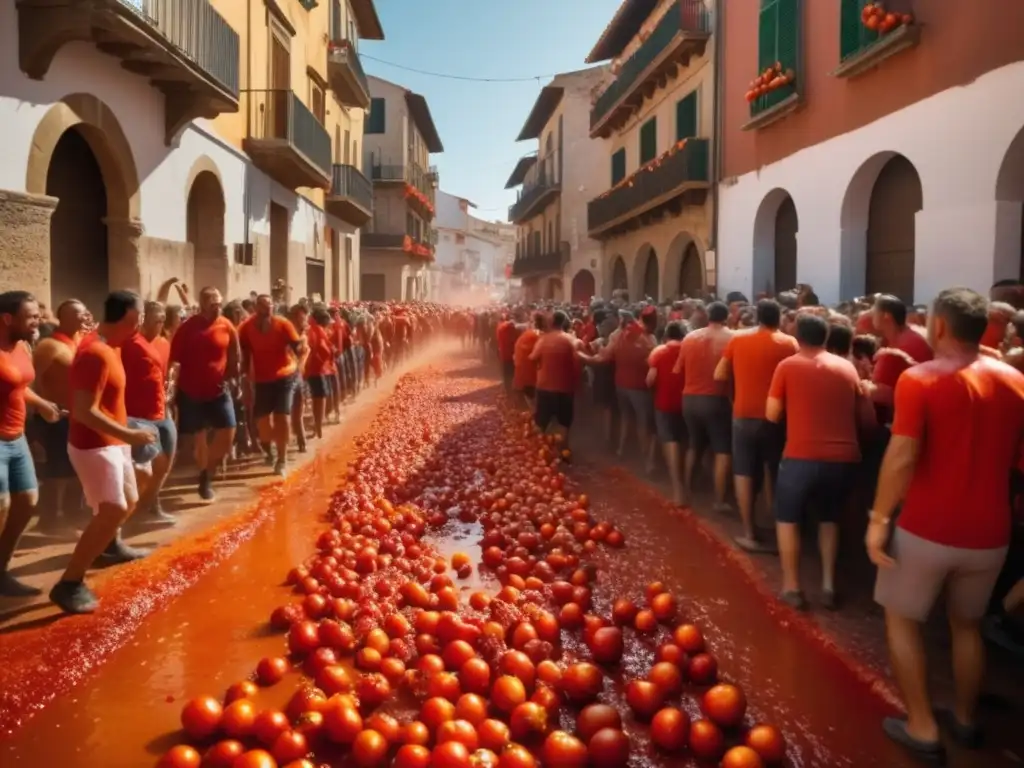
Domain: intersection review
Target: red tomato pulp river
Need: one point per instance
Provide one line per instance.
(113, 685)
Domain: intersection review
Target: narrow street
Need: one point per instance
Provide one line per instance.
(479, 477)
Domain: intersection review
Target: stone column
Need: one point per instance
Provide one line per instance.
(25, 242)
(125, 267)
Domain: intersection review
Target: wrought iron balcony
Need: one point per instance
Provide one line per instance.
(286, 141)
(536, 264)
(655, 186)
(345, 73)
(681, 33)
(541, 185)
(184, 47)
(351, 196)
(408, 173)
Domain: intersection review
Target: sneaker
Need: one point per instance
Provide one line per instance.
(967, 736)
(11, 587)
(280, 469)
(158, 516)
(896, 729)
(73, 597)
(205, 487)
(119, 552)
(794, 599)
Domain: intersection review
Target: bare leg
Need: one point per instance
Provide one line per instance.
(94, 540)
(298, 428)
(828, 547)
(689, 465)
(675, 470)
(789, 552)
(968, 667)
(319, 405)
(909, 666)
(16, 510)
(723, 470)
(279, 432)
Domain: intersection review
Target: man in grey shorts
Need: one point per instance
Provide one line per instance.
(957, 427)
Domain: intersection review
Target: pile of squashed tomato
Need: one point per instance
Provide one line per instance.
(400, 667)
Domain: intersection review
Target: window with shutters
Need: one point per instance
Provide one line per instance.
(868, 34)
(375, 120)
(648, 141)
(779, 39)
(686, 117)
(618, 166)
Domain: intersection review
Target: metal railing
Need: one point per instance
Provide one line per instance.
(685, 16)
(348, 181)
(350, 56)
(548, 261)
(408, 172)
(197, 31)
(688, 164)
(278, 114)
(543, 176)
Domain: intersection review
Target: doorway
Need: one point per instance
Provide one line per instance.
(205, 232)
(278, 244)
(335, 266)
(280, 83)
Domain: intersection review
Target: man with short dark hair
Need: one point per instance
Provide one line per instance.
(840, 339)
(889, 318)
(558, 373)
(956, 436)
(819, 395)
(669, 424)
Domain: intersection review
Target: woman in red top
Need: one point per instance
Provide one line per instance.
(19, 323)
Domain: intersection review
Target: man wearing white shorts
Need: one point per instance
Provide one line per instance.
(100, 448)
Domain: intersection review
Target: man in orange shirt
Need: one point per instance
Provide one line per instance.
(750, 359)
(271, 348)
(505, 336)
(557, 376)
(668, 403)
(524, 380)
(889, 317)
(956, 438)
(706, 407)
(19, 323)
(819, 395)
(205, 348)
(320, 371)
(100, 448)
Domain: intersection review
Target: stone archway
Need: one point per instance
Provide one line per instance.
(95, 123)
(620, 277)
(205, 228)
(775, 244)
(878, 228)
(646, 271)
(684, 268)
(584, 287)
(1010, 209)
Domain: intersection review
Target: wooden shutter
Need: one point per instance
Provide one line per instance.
(686, 117)
(618, 166)
(319, 107)
(767, 35)
(648, 140)
(853, 35)
(787, 46)
(375, 120)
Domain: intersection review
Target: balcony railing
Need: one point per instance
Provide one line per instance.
(687, 21)
(648, 189)
(541, 263)
(174, 43)
(286, 140)
(540, 185)
(346, 75)
(397, 239)
(350, 196)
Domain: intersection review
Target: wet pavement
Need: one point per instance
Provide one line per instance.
(192, 619)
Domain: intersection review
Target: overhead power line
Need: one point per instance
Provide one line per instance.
(448, 76)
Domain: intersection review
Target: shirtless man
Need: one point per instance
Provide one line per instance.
(60, 492)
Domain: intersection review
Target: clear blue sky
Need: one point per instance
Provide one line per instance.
(478, 122)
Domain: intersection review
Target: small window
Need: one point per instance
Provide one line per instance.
(375, 120)
(316, 94)
(618, 166)
(648, 141)
(686, 117)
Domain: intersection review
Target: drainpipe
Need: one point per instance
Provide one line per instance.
(247, 187)
(719, 84)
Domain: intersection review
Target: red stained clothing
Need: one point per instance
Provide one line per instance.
(819, 394)
(912, 341)
(753, 356)
(525, 369)
(146, 374)
(271, 350)
(320, 360)
(200, 347)
(668, 386)
(16, 375)
(968, 420)
(630, 352)
(97, 369)
(506, 336)
(699, 354)
(559, 368)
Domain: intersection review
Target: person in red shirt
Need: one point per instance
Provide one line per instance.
(145, 356)
(100, 448)
(706, 407)
(890, 320)
(820, 397)
(558, 372)
(750, 359)
(205, 349)
(524, 382)
(668, 403)
(19, 323)
(505, 336)
(956, 438)
(320, 371)
(271, 349)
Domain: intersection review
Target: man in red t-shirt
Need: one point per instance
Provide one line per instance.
(956, 437)
(558, 372)
(505, 336)
(890, 321)
(100, 444)
(668, 403)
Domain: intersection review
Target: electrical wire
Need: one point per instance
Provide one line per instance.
(466, 78)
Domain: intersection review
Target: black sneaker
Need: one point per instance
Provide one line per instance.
(119, 552)
(11, 587)
(206, 486)
(73, 597)
(967, 736)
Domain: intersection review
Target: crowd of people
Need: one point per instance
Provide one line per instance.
(911, 414)
(95, 406)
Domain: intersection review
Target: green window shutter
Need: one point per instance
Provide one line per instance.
(648, 140)
(618, 166)
(853, 35)
(375, 120)
(788, 34)
(767, 35)
(686, 117)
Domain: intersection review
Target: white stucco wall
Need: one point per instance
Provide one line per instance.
(965, 236)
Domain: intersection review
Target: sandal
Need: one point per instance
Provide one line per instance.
(896, 729)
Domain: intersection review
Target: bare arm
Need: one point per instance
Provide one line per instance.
(774, 409)
(234, 355)
(723, 370)
(85, 406)
(652, 376)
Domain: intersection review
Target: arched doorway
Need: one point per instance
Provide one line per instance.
(1010, 189)
(775, 251)
(691, 273)
(205, 231)
(583, 287)
(79, 266)
(645, 273)
(80, 122)
(620, 278)
(895, 200)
